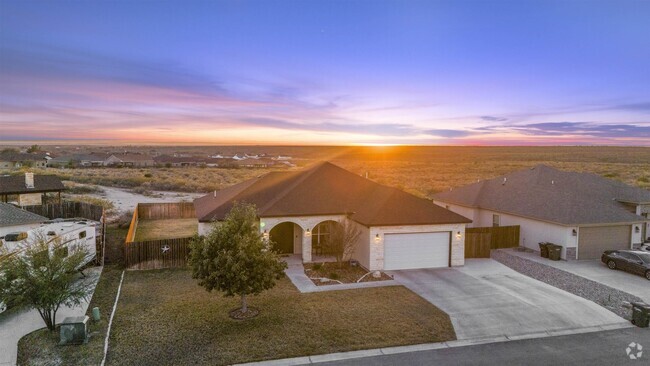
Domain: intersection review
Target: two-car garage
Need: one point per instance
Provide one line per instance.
(417, 250)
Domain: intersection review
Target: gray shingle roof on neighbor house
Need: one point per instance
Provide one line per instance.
(15, 184)
(11, 216)
(326, 189)
(553, 195)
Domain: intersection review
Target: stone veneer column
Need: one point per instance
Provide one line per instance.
(306, 247)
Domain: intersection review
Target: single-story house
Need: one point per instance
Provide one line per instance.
(30, 189)
(15, 160)
(129, 160)
(584, 213)
(295, 209)
(84, 160)
(14, 219)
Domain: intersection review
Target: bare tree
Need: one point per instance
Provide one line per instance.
(343, 237)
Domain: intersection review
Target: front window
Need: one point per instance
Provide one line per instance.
(320, 235)
(645, 257)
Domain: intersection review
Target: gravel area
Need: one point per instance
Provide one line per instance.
(605, 296)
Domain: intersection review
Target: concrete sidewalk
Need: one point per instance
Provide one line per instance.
(296, 273)
(17, 323)
(596, 271)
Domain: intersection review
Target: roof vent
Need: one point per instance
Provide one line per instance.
(504, 181)
(29, 180)
(552, 182)
(215, 193)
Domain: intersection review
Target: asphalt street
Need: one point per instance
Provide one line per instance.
(601, 348)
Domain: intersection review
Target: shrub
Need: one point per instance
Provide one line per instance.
(334, 276)
(317, 266)
(148, 175)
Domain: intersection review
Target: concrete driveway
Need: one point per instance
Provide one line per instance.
(16, 323)
(597, 271)
(487, 299)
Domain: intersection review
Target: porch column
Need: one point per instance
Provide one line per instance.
(306, 247)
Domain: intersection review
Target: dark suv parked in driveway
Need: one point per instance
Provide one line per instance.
(628, 260)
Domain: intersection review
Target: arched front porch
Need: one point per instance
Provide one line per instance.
(305, 236)
(287, 238)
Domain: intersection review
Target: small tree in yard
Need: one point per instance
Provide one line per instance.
(234, 259)
(343, 237)
(44, 277)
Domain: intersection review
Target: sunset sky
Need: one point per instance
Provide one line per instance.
(326, 72)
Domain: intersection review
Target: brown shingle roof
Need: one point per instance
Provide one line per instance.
(11, 216)
(15, 184)
(553, 195)
(325, 189)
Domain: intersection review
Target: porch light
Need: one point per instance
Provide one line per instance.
(574, 232)
(458, 235)
(307, 232)
(266, 235)
(637, 229)
(377, 238)
(262, 224)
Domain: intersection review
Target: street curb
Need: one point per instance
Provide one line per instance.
(339, 356)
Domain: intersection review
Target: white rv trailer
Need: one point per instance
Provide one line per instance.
(73, 233)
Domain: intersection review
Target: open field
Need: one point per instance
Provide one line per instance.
(419, 170)
(165, 318)
(165, 229)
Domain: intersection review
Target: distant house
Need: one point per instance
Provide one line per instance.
(14, 160)
(129, 160)
(30, 189)
(584, 213)
(253, 163)
(14, 219)
(83, 160)
(296, 210)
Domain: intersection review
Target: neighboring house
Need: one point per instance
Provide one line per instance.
(295, 209)
(14, 160)
(252, 163)
(129, 160)
(84, 160)
(14, 219)
(30, 189)
(584, 213)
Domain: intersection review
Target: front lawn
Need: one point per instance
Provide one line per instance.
(165, 229)
(330, 273)
(165, 318)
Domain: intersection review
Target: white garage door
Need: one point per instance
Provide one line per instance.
(416, 250)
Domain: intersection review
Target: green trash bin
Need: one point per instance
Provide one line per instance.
(640, 314)
(554, 252)
(543, 250)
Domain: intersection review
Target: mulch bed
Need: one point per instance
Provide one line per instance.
(346, 274)
(238, 314)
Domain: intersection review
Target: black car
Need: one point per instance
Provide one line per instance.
(628, 260)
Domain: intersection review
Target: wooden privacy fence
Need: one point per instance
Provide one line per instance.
(157, 254)
(161, 211)
(480, 240)
(68, 210)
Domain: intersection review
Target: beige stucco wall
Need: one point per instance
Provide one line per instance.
(376, 260)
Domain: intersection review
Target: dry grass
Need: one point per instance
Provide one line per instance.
(165, 229)
(40, 347)
(165, 318)
(419, 170)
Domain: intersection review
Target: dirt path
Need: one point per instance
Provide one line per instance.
(126, 200)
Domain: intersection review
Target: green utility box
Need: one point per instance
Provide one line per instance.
(554, 252)
(640, 314)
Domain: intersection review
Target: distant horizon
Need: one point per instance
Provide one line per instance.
(326, 73)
